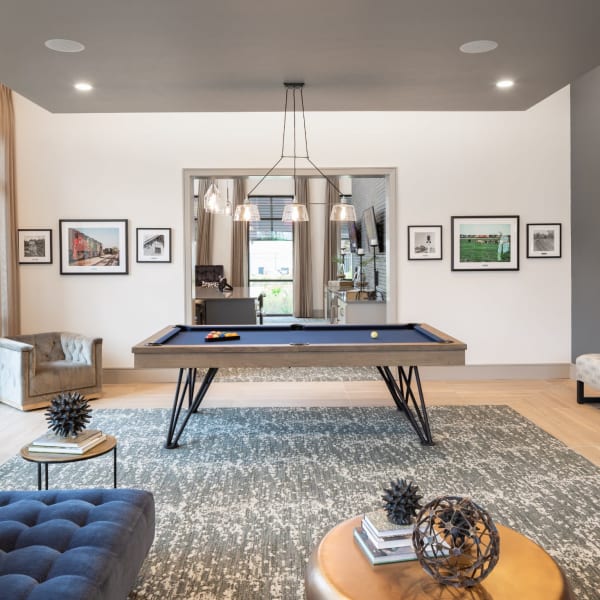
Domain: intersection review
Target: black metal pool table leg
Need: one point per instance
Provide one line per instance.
(403, 395)
(194, 401)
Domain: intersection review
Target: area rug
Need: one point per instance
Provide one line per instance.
(248, 495)
(299, 374)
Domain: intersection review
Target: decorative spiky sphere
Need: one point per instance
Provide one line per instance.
(68, 414)
(456, 541)
(401, 501)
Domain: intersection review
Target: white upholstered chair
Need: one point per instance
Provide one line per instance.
(35, 368)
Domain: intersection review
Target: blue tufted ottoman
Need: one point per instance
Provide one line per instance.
(73, 544)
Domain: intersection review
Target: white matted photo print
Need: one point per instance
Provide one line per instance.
(543, 240)
(424, 242)
(485, 243)
(93, 247)
(153, 245)
(35, 246)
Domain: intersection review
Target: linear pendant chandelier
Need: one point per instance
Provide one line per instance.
(295, 212)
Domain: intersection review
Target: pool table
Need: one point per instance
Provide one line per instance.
(405, 346)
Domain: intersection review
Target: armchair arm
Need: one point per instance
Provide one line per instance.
(16, 365)
(79, 348)
(14, 345)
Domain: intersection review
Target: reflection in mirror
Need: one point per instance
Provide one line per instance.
(347, 261)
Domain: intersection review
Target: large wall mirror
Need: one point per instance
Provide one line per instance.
(364, 252)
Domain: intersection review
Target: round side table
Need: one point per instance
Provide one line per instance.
(46, 458)
(338, 569)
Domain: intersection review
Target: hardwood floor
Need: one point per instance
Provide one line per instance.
(548, 403)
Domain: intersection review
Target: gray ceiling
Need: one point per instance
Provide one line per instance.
(234, 55)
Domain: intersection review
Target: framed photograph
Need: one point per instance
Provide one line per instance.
(35, 246)
(153, 245)
(485, 243)
(544, 240)
(93, 247)
(424, 242)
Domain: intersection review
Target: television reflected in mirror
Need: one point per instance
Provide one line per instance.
(373, 239)
(353, 236)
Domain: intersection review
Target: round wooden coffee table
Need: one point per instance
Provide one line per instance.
(338, 569)
(46, 458)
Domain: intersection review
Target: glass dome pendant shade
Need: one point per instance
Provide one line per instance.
(214, 201)
(343, 211)
(294, 213)
(246, 212)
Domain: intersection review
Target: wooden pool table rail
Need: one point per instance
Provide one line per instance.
(284, 354)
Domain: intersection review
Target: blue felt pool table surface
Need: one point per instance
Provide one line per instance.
(186, 335)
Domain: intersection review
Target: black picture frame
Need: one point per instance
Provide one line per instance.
(485, 243)
(153, 244)
(544, 240)
(425, 242)
(94, 247)
(34, 246)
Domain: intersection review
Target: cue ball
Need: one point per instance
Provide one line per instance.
(374, 334)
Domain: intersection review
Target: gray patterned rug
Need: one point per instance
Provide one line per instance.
(299, 374)
(243, 501)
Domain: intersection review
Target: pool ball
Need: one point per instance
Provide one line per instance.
(374, 334)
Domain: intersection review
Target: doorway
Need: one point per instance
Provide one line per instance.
(386, 260)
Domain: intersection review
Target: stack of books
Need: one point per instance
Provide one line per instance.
(52, 443)
(382, 541)
(340, 284)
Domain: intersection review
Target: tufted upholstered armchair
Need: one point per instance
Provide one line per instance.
(34, 368)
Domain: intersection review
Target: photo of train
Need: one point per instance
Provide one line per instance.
(84, 249)
(94, 246)
(82, 246)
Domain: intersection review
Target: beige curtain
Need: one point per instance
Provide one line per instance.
(331, 247)
(239, 239)
(10, 316)
(303, 289)
(203, 227)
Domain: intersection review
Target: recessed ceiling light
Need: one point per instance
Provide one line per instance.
(59, 45)
(83, 86)
(478, 46)
(505, 84)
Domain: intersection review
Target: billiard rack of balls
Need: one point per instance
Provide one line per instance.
(221, 336)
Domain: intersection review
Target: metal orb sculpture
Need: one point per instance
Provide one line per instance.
(456, 541)
(68, 414)
(402, 501)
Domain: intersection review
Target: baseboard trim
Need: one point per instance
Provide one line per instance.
(466, 373)
(479, 372)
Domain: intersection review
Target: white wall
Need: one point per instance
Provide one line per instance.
(86, 166)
